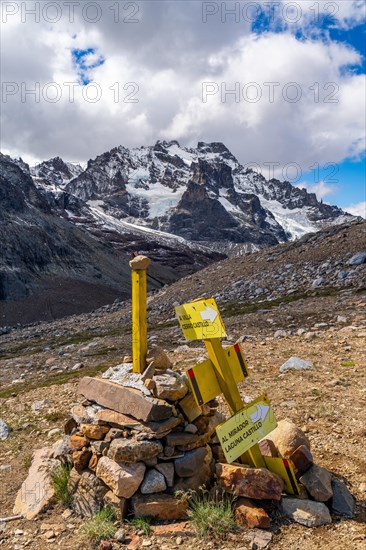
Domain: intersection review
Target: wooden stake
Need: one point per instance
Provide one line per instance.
(139, 324)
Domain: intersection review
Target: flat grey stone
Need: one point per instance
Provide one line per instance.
(154, 482)
(4, 430)
(358, 259)
(306, 512)
(295, 363)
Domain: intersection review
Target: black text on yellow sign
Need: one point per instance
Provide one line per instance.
(203, 379)
(243, 430)
(200, 320)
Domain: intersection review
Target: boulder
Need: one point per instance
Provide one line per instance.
(181, 438)
(287, 437)
(37, 492)
(295, 363)
(250, 515)
(257, 483)
(343, 502)
(160, 507)
(189, 407)
(200, 478)
(119, 420)
(268, 448)
(357, 259)
(154, 482)
(77, 442)
(306, 512)
(170, 386)
(123, 479)
(132, 450)
(318, 482)
(88, 497)
(124, 400)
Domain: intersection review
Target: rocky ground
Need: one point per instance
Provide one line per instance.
(323, 322)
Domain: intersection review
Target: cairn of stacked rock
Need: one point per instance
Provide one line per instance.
(133, 440)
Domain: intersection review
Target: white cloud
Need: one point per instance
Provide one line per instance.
(169, 54)
(321, 189)
(358, 209)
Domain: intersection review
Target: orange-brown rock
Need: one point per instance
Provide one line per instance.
(160, 506)
(94, 431)
(302, 460)
(77, 442)
(248, 514)
(93, 463)
(119, 505)
(81, 459)
(257, 483)
(139, 262)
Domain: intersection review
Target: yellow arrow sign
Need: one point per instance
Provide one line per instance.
(200, 320)
(243, 430)
(203, 379)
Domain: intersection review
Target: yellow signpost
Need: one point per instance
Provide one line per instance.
(283, 468)
(243, 430)
(203, 379)
(139, 265)
(202, 320)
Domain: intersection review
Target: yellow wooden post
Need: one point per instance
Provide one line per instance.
(139, 326)
(227, 383)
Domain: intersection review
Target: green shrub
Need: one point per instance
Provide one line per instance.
(212, 514)
(100, 527)
(142, 524)
(60, 478)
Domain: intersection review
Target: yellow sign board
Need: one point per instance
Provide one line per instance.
(203, 379)
(283, 468)
(243, 430)
(200, 320)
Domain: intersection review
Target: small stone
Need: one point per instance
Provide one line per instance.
(154, 482)
(78, 366)
(318, 482)
(287, 437)
(119, 505)
(139, 263)
(343, 502)
(178, 541)
(257, 483)
(302, 460)
(159, 358)
(280, 334)
(93, 463)
(77, 442)
(167, 469)
(267, 448)
(94, 431)
(146, 543)
(69, 426)
(170, 386)
(181, 438)
(132, 450)
(260, 539)
(295, 363)
(248, 514)
(66, 514)
(123, 479)
(105, 545)
(120, 535)
(160, 507)
(54, 431)
(191, 429)
(4, 430)
(358, 259)
(191, 462)
(81, 459)
(189, 407)
(306, 512)
(39, 405)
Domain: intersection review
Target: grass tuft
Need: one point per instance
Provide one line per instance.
(101, 526)
(212, 514)
(142, 524)
(60, 478)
